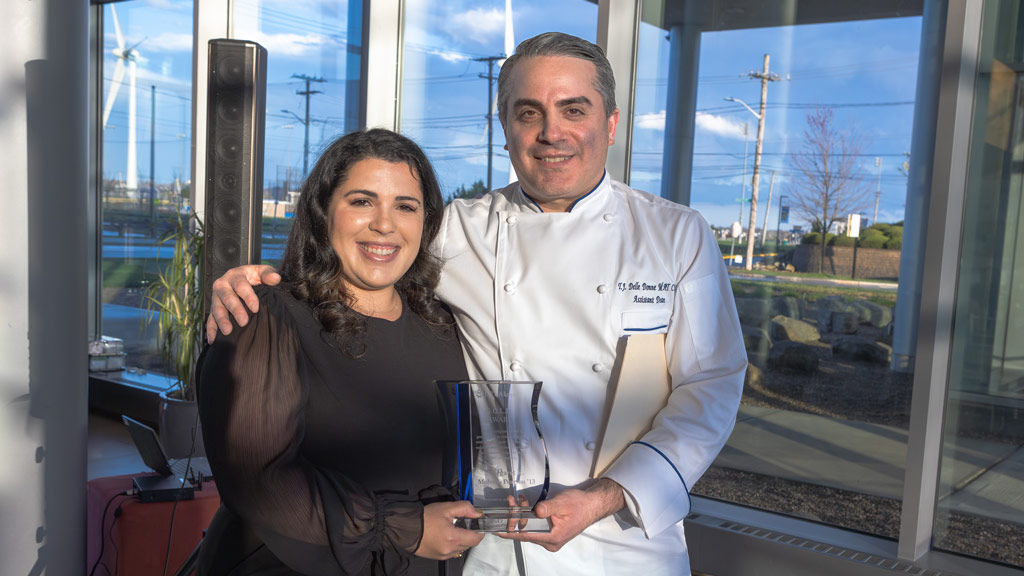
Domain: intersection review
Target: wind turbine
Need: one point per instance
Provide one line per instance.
(131, 56)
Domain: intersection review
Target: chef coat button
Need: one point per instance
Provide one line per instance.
(597, 367)
(515, 366)
(511, 219)
(607, 217)
(591, 445)
(602, 289)
(510, 287)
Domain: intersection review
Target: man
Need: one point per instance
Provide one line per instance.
(544, 277)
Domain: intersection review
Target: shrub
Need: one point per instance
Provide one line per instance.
(844, 241)
(881, 227)
(872, 241)
(894, 243)
(896, 232)
(815, 238)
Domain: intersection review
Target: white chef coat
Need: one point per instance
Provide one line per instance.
(547, 296)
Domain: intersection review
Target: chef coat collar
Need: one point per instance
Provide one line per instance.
(604, 178)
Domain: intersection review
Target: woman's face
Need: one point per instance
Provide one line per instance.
(375, 225)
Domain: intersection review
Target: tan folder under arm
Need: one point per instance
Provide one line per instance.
(637, 392)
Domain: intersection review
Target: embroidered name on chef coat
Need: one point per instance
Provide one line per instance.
(640, 292)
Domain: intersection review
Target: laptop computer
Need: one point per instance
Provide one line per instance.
(152, 452)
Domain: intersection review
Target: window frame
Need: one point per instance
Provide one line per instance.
(712, 526)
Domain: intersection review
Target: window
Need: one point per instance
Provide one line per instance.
(982, 474)
(649, 107)
(448, 106)
(146, 138)
(314, 61)
(822, 429)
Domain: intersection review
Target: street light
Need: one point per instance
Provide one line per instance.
(778, 227)
(305, 144)
(743, 196)
(878, 190)
(287, 178)
(752, 234)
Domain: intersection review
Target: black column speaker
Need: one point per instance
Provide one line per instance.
(236, 111)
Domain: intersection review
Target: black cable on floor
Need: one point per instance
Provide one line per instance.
(103, 520)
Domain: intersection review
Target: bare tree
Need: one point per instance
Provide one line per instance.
(828, 185)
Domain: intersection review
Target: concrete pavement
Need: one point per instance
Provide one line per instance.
(979, 477)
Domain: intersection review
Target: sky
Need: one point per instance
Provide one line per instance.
(865, 70)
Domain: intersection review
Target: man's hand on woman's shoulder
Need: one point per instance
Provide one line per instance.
(233, 293)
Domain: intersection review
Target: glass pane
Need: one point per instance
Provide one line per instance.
(450, 49)
(314, 57)
(822, 428)
(147, 134)
(649, 107)
(980, 511)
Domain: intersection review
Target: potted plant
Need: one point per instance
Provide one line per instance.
(174, 299)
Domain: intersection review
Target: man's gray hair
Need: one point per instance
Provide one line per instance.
(559, 44)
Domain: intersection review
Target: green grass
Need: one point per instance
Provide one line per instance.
(815, 275)
(809, 292)
(128, 274)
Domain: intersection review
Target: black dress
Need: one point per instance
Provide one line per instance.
(323, 461)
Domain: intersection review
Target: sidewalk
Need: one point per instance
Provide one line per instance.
(988, 477)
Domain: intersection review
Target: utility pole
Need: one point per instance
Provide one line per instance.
(878, 190)
(181, 171)
(152, 158)
(307, 93)
(778, 226)
(490, 111)
(743, 191)
(767, 211)
(765, 77)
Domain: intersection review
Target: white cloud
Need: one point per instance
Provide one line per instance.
(479, 25)
(719, 125)
(291, 44)
(652, 121)
(167, 42)
(449, 56)
(719, 215)
(168, 5)
(637, 176)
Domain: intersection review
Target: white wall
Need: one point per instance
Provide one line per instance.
(43, 288)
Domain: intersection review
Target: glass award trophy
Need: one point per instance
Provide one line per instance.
(494, 454)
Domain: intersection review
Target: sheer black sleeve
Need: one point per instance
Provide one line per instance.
(252, 399)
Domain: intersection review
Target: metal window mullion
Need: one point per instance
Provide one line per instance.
(210, 19)
(618, 32)
(941, 263)
(95, 202)
(382, 83)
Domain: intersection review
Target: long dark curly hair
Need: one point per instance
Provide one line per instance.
(312, 270)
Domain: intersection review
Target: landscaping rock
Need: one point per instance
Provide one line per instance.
(787, 306)
(844, 322)
(758, 344)
(792, 356)
(886, 337)
(871, 313)
(861, 350)
(786, 328)
(826, 306)
(754, 376)
(753, 311)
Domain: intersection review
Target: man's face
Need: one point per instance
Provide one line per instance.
(556, 130)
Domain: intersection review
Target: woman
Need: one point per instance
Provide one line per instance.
(319, 416)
